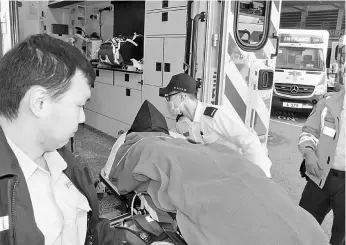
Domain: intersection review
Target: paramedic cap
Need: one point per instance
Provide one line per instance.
(180, 83)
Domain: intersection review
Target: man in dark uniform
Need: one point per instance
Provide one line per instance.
(206, 123)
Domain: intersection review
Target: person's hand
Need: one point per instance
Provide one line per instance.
(311, 163)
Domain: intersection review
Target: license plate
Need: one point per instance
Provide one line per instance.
(296, 105)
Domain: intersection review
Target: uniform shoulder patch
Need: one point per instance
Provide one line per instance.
(178, 117)
(210, 111)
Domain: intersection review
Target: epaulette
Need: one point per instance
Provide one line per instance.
(210, 111)
(178, 117)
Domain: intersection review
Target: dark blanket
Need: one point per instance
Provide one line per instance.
(219, 196)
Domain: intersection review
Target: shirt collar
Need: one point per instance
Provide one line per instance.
(199, 112)
(26, 164)
(55, 162)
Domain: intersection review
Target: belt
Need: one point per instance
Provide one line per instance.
(337, 173)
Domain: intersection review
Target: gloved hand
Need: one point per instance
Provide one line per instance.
(311, 162)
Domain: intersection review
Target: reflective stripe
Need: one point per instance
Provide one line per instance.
(237, 68)
(308, 137)
(4, 223)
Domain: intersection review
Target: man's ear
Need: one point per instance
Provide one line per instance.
(38, 99)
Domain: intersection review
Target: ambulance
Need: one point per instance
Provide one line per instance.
(230, 47)
(300, 72)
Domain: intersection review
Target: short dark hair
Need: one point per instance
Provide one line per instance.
(39, 60)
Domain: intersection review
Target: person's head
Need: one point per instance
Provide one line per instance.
(181, 94)
(44, 85)
(149, 119)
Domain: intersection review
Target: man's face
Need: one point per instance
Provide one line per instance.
(65, 115)
(174, 102)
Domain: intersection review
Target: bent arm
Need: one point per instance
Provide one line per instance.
(232, 127)
(312, 129)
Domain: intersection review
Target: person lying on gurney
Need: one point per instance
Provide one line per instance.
(218, 195)
(157, 123)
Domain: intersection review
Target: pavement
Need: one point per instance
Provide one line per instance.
(285, 128)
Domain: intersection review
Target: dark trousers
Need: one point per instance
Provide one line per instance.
(319, 202)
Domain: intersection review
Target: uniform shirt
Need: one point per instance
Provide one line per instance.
(339, 159)
(224, 126)
(60, 210)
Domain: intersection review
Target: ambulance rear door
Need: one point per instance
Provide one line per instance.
(249, 46)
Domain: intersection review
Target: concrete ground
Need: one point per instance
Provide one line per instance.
(94, 147)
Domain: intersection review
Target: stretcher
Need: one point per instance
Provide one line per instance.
(141, 204)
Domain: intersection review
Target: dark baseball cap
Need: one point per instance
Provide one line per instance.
(181, 83)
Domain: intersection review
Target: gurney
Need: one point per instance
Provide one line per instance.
(218, 197)
(137, 203)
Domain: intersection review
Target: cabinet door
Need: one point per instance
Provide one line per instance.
(104, 76)
(155, 5)
(173, 57)
(170, 22)
(153, 61)
(119, 103)
(126, 105)
(152, 5)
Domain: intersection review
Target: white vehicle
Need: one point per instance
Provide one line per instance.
(300, 72)
(204, 38)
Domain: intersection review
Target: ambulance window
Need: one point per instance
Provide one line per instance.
(336, 52)
(343, 54)
(252, 24)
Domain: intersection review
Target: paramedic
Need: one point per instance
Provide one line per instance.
(322, 143)
(45, 197)
(207, 123)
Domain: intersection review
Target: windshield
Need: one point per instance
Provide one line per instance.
(298, 58)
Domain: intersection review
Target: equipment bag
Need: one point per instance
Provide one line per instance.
(119, 51)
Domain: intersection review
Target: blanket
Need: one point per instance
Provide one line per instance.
(219, 197)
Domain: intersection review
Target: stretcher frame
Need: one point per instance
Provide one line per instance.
(117, 220)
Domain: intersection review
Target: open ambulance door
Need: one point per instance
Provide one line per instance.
(247, 54)
(9, 25)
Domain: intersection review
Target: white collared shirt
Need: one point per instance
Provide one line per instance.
(226, 128)
(60, 210)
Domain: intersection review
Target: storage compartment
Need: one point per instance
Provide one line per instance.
(116, 102)
(172, 22)
(151, 93)
(128, 80)
(104, 76)
(153, 61)
(168, 60)
(105, 124)
(125, 104)
(155, 5)
(173, 56)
